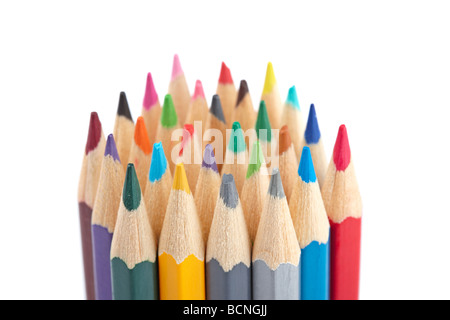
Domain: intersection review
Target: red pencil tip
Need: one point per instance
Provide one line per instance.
(95, 133)
(225, 75)
(187, 135)
(341, 151)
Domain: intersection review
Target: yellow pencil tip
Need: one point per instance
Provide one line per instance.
(180, 180)
(270, 79)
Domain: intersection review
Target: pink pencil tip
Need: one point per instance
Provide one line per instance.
(341, 151)
(150, 96)
(198, 93)
(176, 68)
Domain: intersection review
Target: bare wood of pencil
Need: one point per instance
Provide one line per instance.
(207, 190)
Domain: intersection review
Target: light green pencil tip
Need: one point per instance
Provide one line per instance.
(169, 117)
(256, 159)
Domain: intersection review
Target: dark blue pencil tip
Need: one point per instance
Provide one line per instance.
(111, 149)
(312, 132)
(306, 167)
(216, 108)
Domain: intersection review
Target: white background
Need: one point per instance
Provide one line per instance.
(380, 67)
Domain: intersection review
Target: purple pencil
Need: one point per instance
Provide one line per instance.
(104, 217)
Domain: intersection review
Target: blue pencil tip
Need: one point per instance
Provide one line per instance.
(292, 98)
(159, 163)
(306, 167)
(312, 132)
(111, 149)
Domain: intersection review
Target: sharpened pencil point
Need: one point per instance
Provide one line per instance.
(198, 92)
(284, 140)
(237, 141)
(341, 151)
(131, 195)
(94, 134)
(150, 96)
(180, 180)
(225, 75)
(228, 191)
(306, 167)
(110, 149)
(243, 91)
(216, 108)
(159, 163)
(209, 160)
(169, 117)
(270, 81)
(262, 127)
(292, 98)
(188, 131)
(275, 185)
(141, 137)
(312, 132)
(176, 68)
(123, 109)
(256, 159)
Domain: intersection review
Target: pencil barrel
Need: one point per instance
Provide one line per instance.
(231, 285)
(86, 244)
(345, 242)
(314, 270)
(101, 245)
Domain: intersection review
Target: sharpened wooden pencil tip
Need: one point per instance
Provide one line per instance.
(228, 191)
(341, 151)
(141, 137)
(150, 96)
(123, 109)
(306, 167)
(284, 140)
(94, 134)
(110, 149)
(275, 185)
(180, 180)
(131, 195)
(225, 75)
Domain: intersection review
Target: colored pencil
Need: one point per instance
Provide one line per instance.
(276, 253)
(271, 96)
(254, 189)
(343, 204)
(227, 93)
(312, 229)
(167, 125)
(158, 188)
(87, 190)
(140, 153)
(190, 153)
(264, 132)
(123, 129)
(314, 142)
(236, 157)
(104, 217)
(228, 255)
(133, 250)
(198, 107)
(244, 113)
(293, 118)
(216, 130)
(207, 190)
(181, 248)
(151, 109)
(287, 161)
(179, 90)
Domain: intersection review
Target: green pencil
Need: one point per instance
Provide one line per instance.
(133, 250)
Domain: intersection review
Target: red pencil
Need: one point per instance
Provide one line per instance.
(342, 201)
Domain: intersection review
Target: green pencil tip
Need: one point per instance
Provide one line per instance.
(256, 159)
(169, 117)
(131, 195)
(262, 126)
(237, 141)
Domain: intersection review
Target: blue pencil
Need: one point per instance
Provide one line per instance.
(312, 229)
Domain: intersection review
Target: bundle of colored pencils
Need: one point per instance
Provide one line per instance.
(246, 209)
